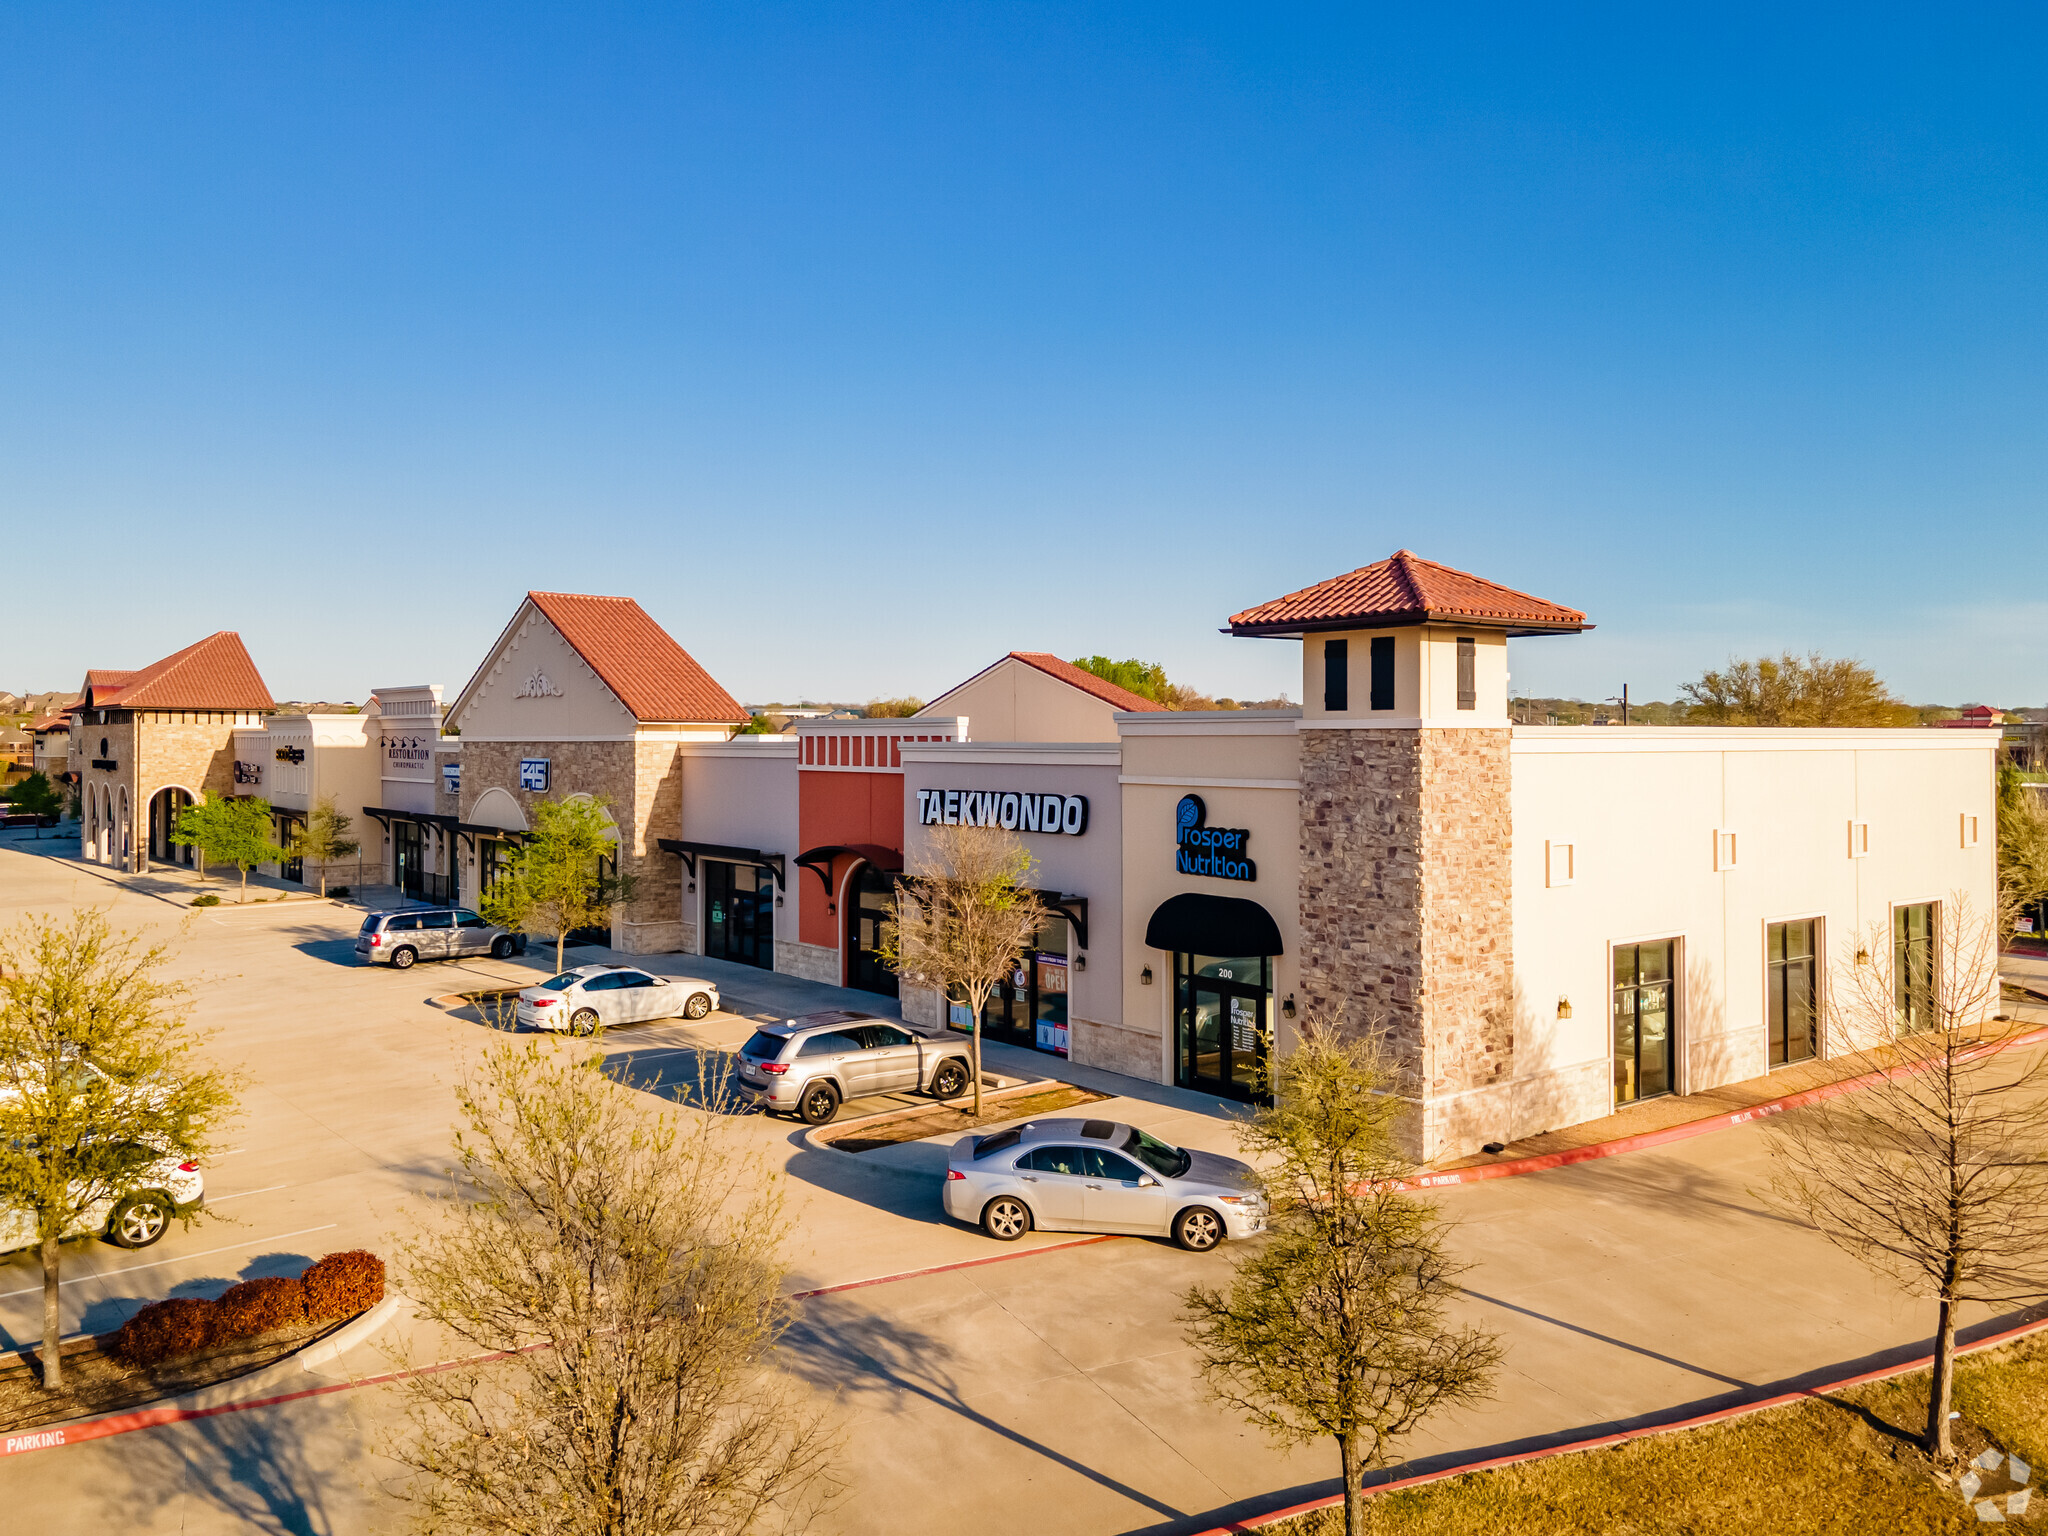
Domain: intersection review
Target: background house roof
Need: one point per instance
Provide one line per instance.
(1406, 589)
(1086, 681)
(214, 673)
(637, 659)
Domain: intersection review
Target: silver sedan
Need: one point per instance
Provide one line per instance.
(1099, 1176)
(586, 996)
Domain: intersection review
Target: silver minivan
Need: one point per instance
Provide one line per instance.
(397, 939)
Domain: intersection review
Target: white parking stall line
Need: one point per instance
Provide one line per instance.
(104, 1274)
(242, 1194)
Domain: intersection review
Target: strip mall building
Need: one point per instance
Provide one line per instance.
(1550, 920)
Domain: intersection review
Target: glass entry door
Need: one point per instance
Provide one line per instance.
(1644, 1041)
(1913, 965)
(739, 913)
(1793, 997)
(870, 902)
(406, 857)
(1225, 1008)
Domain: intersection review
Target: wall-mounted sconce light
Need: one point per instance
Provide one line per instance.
(831, 908)
(1862, 956)
(778, 901)
(693, 887)
(1080, 962)
(1145, 977)
(1288, 1006)
(1564, 1006)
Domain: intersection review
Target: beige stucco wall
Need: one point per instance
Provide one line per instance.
(741, 793)
(1088, 865)
(1245, 766)
(1014, 701)
(1425, 677)
(579, 707)
(1640, 807)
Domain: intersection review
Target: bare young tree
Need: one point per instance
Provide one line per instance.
(101, 1086)
(1336, 1324)
(623, 1269)
(963, 917)
(1936, 1174)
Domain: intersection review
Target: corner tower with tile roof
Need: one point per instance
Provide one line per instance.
(1406, 831)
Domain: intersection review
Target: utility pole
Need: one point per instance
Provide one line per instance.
(1623, 702)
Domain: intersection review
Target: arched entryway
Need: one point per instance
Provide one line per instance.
(868, 901)
(1223, 950)
(124, 832)
(164, 807)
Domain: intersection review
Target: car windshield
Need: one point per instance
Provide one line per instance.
(561, 983)
(1166, 1161)
(763, 1046)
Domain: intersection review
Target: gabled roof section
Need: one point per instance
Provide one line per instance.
(1407, 589)
(56, 722)
(656, 679)
(214, 673)
(1086, 681)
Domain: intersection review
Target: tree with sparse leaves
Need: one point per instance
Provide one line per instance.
(554, 882)
(102, 1081)
(964, 916)
(1935, 1174)
(1337, 1325)
(323, 837)
(619, 1273)
(229, 830)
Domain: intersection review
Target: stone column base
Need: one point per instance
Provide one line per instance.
(812, 962)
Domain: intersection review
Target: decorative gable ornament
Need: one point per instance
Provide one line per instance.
(538, 687)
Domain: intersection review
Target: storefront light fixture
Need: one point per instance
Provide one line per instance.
(1564, 1006)
(1080, 962)
(1145, 977)
(1288, 1006)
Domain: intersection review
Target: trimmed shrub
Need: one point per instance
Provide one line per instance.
(208, 900)
(164, 1330)
(343, 1284)
(259, 1306)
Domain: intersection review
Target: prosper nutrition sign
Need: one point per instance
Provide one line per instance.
(1205, 850)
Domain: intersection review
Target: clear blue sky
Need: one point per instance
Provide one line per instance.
(861, 343)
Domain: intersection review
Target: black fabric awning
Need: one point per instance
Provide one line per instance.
(447, 824)
(1197, 924)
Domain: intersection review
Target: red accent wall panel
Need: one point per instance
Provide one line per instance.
(841, 808)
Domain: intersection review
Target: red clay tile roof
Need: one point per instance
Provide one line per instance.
(1405, 589)
(653, 676)
(214, 673)
(57, 722)
(1086, 681)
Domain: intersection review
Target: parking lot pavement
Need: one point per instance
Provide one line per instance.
(1051, 1385)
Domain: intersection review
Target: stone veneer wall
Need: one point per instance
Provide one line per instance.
(1405, 916)
(1114, 1048)
(812, 962)
(643, 782)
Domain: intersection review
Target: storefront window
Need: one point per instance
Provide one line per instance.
(1913, 965)
(1643, 1038)
(1030, 1007)
(1792, 984)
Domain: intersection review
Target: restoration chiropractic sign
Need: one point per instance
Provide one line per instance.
(1009, 809)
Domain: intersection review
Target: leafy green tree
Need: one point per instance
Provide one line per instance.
(2022, 849)
(1336, 1325)
(1147, 679)
(231, 830)
(554, 882)
(37, 796)
(324, 837)
(1789, 690)
(892, 709)
(100, 1081)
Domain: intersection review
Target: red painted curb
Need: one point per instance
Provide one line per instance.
(1620, 1437)
(1691, 1128)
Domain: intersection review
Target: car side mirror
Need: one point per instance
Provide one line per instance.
(1146, 1181)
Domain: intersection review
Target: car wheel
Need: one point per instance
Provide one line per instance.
(501, 948)
(1006, 1218)
(950, 1081)
(139, 1221)
(819, 1103)
(1198, 1229)
(698, 1006)
(403, 957)
(583, 1022)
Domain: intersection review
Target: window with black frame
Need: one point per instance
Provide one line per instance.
(1791, 955)
(1645, 989)
(1913, 967)
(1029, 1007)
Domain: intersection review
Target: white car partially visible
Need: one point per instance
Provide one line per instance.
(157, 1189)
(582, 998)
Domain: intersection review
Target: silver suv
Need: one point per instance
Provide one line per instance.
(810, 1066)
(397, 939)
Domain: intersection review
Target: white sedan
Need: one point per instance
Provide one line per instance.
(159, 1189)
(582, 998)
